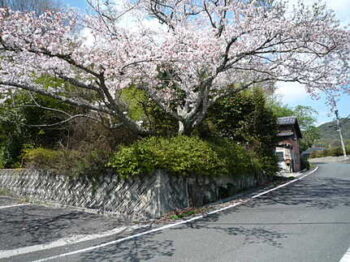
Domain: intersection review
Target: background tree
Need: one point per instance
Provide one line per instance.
(31, 120)
(330, 135)
(195, 53)
(246, 118)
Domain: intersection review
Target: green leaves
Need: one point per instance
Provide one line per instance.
(182, 155)
(41, 157)
(3, 159)
(245, 118)
(18, 119)
(67, 162)
(134, 99)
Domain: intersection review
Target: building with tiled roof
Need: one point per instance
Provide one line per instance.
(288, 149)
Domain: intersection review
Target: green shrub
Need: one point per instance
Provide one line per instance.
(92, 163)
(336, 151)
(67, 162)
(333, 151)
(244, 117)
(41, 158)
(316, 154)
(2, 156)
(182, 155)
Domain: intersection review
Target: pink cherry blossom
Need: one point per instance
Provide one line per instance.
(204, 50)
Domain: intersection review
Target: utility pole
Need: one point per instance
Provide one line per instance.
(340, 133)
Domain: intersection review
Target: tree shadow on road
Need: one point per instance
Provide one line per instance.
(320, 193)
(150, 247)
(325, 193)
(251, 233)
(136, 250)
(33, 225)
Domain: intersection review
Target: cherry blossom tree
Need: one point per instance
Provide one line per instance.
(184, 54)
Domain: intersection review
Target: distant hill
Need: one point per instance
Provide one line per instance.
(330, 135)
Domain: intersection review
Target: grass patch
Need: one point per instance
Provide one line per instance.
(183, 213)
(5, 192)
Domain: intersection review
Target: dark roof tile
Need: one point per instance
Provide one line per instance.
(289, 120)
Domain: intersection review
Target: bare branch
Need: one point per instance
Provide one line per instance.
(159, 102)
(117, 109)
(36, 104)
(66, 120)
(78, 83)
(67, 100)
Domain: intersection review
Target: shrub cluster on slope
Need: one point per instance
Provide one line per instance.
(183, 155)
(237, 137)
(67, 162)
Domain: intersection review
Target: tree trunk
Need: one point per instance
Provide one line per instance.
(185, 128)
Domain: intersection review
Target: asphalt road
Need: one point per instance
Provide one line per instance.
(306, 221)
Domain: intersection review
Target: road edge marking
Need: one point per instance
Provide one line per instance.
(346, 257)
(17, 205)
(62, 242)
(117, 241)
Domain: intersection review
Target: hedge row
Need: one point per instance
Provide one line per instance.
(334, 151)
(180, 155)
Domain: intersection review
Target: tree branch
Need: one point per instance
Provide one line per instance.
(78, 83)
(66, 120)
(61, 98)
(117, 108)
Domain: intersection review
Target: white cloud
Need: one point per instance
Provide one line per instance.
(131, 18)
(135, 18)
(290, 92)
(293, 94)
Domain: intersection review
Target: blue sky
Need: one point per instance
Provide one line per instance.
(293, 94)
(81, 4)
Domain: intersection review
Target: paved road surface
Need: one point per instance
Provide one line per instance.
(305, 221)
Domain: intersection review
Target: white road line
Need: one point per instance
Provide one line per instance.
(346, 257)
(62, 242)
(17, 205)
(174, 224)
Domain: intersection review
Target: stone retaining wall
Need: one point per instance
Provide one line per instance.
(133, 199)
